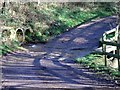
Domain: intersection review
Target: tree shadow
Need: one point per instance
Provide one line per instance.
(50, 68)
(84, 36)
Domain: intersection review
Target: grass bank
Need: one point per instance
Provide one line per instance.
(96, 63)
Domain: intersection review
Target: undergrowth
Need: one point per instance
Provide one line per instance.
(48, 19)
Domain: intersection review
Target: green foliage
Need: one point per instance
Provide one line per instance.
(91, 60)
(49, 19)
(115, 74)
(111, 35)
(4, 48)
(96, 62)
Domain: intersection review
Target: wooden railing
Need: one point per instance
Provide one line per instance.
(111, 44)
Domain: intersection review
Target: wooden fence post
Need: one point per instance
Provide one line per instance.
(118, 48)
(104, 48)
(118, 40)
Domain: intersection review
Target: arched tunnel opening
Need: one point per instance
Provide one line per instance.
(28, 36)
(20, 36)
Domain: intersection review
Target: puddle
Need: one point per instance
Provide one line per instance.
(34, 47)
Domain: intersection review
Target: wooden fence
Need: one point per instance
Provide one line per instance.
(111, 44)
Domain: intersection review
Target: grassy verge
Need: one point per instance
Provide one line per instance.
(4, 49)
(95, 62)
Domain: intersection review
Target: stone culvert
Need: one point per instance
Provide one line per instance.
(21, 34)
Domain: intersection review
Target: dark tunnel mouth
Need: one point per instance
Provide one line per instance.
(20, 35)
(28, 34)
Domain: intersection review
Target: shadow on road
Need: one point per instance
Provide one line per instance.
(52, 65)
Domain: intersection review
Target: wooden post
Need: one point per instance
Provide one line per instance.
(118, 41)
(104, 48)
(116, 33)
(118, 58)
(118, 48)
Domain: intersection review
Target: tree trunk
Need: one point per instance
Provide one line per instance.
(3, 7)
